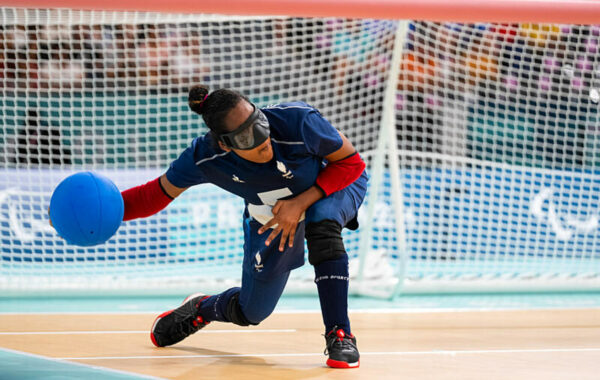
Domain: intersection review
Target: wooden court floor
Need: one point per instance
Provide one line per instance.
(538, 344)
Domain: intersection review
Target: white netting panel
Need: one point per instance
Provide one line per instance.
(497, 128)
(111, 87)
(107, 91)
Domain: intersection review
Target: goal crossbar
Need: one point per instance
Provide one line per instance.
(563, 11)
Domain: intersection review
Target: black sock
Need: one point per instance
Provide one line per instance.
(214, 308)
(332, 280)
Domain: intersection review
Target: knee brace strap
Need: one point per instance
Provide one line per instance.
(234, 312)
(324, 241)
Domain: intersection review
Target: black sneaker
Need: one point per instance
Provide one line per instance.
(341, 349)
(175, 325)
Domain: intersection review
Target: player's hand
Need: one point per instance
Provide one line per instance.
(287, 214)
(49, 220)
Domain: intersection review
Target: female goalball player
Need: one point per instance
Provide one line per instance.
(274, 159)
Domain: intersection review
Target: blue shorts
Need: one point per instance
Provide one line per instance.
(265, 262)
(341, 206)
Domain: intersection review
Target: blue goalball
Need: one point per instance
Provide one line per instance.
(86, 209)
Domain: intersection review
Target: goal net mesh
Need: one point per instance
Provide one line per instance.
(496, 132)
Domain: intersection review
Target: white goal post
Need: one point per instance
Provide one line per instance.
(478, 120)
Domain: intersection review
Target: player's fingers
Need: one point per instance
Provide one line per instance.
(276, 208)
(266, 226)
(284, 237)
(273, 235)
(292, 236)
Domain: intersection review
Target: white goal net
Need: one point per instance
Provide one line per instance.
(481, 139)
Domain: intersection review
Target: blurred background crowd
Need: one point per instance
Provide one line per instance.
(522, 94)
(514, 93)
(97, 56)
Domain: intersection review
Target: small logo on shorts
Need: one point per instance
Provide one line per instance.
(237, 179)
(258, 266)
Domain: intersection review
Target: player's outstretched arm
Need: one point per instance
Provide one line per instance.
(149, 198)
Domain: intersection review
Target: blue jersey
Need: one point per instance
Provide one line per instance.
(300, 137)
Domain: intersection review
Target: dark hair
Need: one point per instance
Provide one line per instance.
(213, 106)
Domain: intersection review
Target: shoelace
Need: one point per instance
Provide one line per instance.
(190, 326)
(337, 339)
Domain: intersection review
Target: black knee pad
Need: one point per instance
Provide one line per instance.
(324, 241)
(234, 312)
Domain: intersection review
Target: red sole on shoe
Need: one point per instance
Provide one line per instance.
(154, 324)
(337, 364)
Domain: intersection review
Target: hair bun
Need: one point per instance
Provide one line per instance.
(196, 98)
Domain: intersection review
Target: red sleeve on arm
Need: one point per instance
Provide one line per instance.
(339, 174)
(144, 200)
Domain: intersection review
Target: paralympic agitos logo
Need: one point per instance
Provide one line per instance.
(545, 209)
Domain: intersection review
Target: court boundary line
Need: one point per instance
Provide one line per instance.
(316, 311)
(76, 364)
(91, 332)
(382, 353)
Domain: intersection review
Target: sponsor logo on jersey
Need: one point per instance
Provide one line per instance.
(237, 179)
(287, 174)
